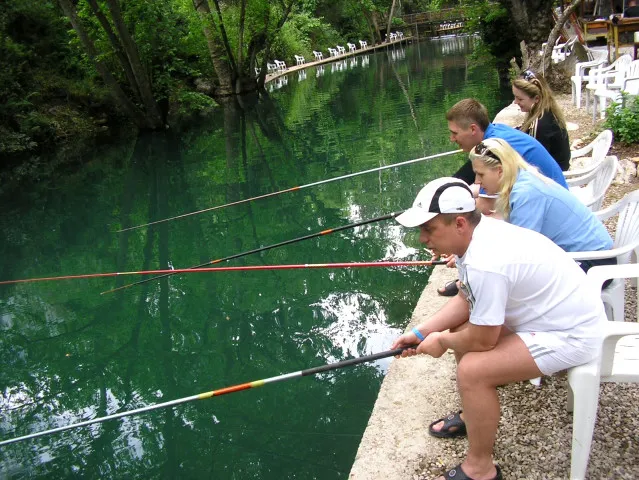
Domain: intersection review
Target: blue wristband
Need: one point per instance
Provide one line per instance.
(418, 334)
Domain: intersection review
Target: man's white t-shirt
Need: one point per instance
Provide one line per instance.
(521, 279)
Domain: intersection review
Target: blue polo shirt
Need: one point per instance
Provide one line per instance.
(557, 214)
(530, 149)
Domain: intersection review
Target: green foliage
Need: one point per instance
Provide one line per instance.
(192, 102)
(499, 42)
(302, 34)
(623, 119)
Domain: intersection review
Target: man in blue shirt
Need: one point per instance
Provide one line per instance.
(469, 124)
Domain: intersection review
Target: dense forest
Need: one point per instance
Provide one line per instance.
(73, 71)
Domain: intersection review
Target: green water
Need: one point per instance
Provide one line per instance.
(70, 354)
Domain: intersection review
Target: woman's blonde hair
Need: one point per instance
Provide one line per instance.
(496, 152)
(535, 86)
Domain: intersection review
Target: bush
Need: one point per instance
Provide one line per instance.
(623, 119)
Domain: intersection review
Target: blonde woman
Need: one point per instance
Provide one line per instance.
(544, 120)
(530, 200)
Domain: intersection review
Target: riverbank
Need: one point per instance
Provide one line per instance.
(535, 431)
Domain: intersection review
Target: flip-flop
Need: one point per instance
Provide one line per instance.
(450, 421)
(458, 474)
(449, 290)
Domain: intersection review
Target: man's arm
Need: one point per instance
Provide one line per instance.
(453, 314)
(475, 338)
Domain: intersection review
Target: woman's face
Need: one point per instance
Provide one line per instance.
(488, 178)
(523, 101)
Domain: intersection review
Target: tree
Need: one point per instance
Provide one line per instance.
(234, 73)
(145, 113)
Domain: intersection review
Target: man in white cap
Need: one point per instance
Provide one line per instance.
(527, 310)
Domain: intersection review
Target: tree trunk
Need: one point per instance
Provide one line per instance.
(376, 26)
(218, 55)
(390, 19)
(143, 81)
(117, 46)
(127, 105)
(532, 18)
(225, 39)
(546, 63)
(240, 42)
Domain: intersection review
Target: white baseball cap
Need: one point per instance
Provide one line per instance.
(444, 195)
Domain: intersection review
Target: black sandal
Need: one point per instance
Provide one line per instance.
(449, 290)
(450, 421)
(458, 474)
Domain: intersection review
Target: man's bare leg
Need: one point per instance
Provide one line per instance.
(478, 375)
(458, 356)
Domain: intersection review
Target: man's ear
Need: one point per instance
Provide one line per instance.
(474, 128)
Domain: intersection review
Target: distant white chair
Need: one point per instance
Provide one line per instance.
(400, 35)
(351, 47)
(625, 248)
(391, 37)
(563, 50)
(596, 58)
(591, 187)
(271, 67)
(332, 52)
(300, 60)
(590, 156)
(318, 55)
(617, 362)
(340, 49)
(281, 66)
(363, 44)
(543, 45)
(613, 91)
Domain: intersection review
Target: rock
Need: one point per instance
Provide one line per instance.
(627, 170)
(511, 116)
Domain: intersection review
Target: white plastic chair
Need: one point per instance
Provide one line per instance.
(281, 66)
(618, 362)
(596, 58)
(271, 67)
(625, 248)
(363, 44)
(351, 47)
(591, 155)
(591, 187)
(543, 45)
(332, 52)
(340, 49)
(318, 55)
(563, 50)
(601, 75)
(299, 59)
(613, 91)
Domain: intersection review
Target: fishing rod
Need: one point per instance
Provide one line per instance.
(292, 189)
(262, 249)
(417, 263)
(217, 393)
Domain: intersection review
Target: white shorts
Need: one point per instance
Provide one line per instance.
(556, 351)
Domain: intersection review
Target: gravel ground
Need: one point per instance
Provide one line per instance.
(535, 432)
